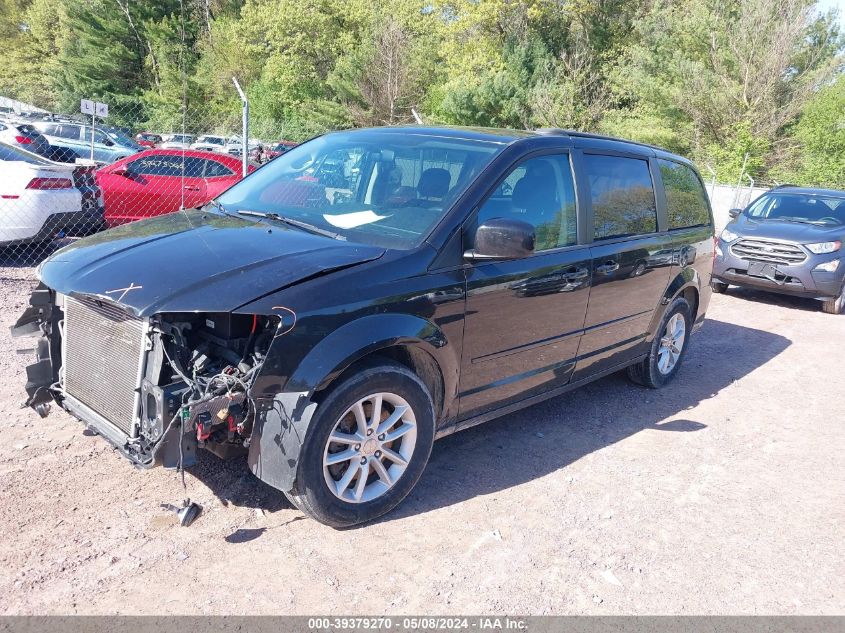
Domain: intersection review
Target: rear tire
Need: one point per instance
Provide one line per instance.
(655, 370)
(719, 287)
(386, 387)
(834, 305)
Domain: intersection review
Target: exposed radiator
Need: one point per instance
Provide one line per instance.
(103, 356)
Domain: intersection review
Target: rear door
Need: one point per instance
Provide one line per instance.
(524, 317)
(630, 269)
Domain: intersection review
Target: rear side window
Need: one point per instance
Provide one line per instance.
(622, 195)
(166, 166)
(538, 191)
(70, 132)
(214, 169)
(685, 197)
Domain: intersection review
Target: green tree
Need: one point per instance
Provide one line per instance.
(820, 134)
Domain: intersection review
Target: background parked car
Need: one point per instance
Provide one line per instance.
(124, 140)
(148, 139)
(159, 181)
(176, 141)
(25, 136)
(77, 137)
(788, 241)
(42, 199)
(280, 148)
(210, 143)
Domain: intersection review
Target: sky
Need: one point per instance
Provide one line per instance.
(824, 5)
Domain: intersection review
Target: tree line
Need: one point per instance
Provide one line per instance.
(725, 82)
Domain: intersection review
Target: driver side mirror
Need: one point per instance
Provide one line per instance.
(500, 238)
(734, 213)
(121, 171)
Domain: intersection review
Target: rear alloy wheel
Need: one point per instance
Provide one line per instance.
(667, 349)
(719, 287)
(834, 305)
(366, 446)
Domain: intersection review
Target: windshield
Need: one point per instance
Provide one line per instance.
(120, 138)
(383, 188)
(795, 207)
(178, 138)
(212, 140)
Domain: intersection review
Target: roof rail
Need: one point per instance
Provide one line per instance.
(554, 131)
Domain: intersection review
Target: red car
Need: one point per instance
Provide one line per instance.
(147, 139)
(158, 181)
(280, 148)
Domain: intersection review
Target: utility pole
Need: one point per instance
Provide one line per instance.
(245, 137)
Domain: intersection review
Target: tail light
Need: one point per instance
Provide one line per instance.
(50, 183)
(23, 140)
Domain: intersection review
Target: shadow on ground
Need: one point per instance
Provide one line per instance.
(550, 435)
(774, 299)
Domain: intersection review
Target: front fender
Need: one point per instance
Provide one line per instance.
(359, 338)
(283, 418)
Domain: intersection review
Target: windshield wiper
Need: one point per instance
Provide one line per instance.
(305, 226)
(793, 219)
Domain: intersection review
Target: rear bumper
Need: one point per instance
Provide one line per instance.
(798, 280)
(72, 224)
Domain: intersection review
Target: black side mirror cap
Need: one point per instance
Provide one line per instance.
(734, 213)
(500, 238)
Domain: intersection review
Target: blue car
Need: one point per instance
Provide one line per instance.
(77, 138)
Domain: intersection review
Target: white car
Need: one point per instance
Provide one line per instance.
(210, 143)
(41, 199)
(176, 141)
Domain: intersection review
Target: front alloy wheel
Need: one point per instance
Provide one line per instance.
(366, 446)
(370, 447)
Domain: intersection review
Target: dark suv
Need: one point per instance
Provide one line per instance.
(332, 330)
(787, 241)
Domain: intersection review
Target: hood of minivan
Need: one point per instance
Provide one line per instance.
(788, 231)
(195, 262)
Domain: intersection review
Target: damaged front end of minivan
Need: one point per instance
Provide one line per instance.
(159, 387)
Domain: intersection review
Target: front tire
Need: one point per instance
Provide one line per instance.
(719, 287)
(366, 447)
(667, 349)
(834, 305)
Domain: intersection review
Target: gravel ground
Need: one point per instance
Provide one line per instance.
(720, 494)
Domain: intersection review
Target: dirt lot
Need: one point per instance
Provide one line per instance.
(724, 493)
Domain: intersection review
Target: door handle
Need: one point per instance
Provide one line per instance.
(607, 268)
(191, 187)
(576, 274)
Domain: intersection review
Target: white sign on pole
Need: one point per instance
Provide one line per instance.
(86, 106)
(102, 110)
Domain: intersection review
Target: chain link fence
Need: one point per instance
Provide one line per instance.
(67, 175)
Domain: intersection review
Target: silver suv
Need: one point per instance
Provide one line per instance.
(789, 241)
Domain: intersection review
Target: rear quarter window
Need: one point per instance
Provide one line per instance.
(214, 169)
(163, 165)
(685, 197)
(622, 195)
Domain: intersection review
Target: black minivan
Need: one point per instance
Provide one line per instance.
(332, 328)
